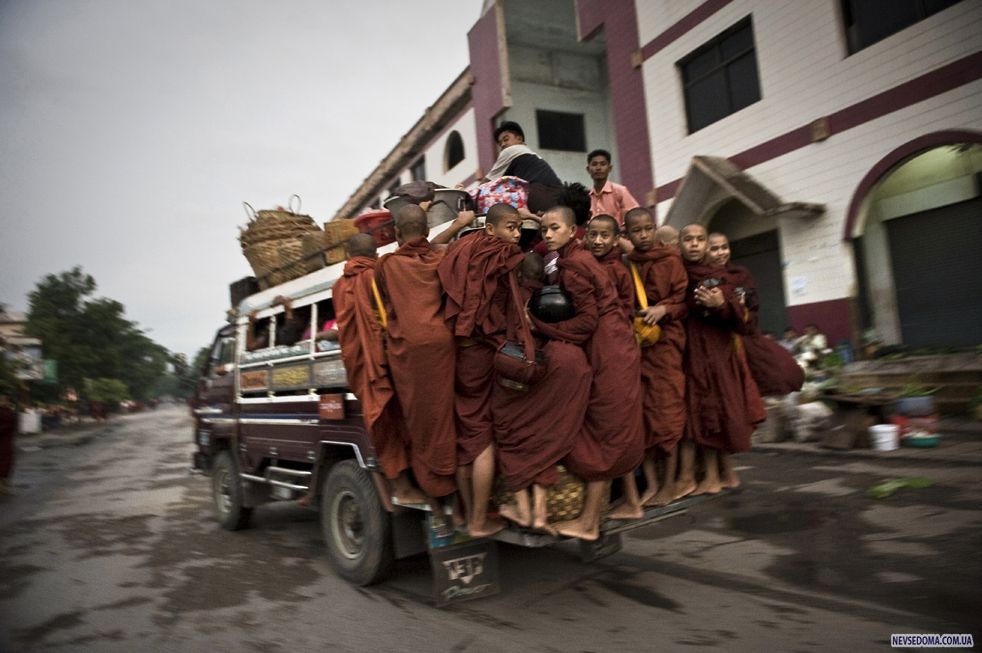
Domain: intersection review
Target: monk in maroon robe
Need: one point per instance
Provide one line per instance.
(612, 442)
(664, 280)
(775, 371)
(721, 397)
(361, 337)
(603, 236)
(421, 351)
(474, 274)
(533, 430)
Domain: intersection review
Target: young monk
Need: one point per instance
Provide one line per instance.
(420, 351)
(611, 443)
(721, 397)
(362, 349)
(533, 431)
(773, 369)
(603, 238)
(474, 274)
(663, 277)
(667, 236)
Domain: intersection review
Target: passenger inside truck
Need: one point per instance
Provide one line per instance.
(327, 333)
(291, 323)
(257, 335)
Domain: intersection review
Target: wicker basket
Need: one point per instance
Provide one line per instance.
(337, 232)
(336, 253)
(273, 243)
(564, 500)
(313, 250)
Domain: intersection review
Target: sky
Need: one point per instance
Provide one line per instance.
(131, 131)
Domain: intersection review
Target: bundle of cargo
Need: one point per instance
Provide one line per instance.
(443, 203)
(272, 242)
(327, 247)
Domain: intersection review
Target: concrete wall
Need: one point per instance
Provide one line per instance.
(434, 153)
(805, 74)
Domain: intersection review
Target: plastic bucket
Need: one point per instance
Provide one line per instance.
(885, 437)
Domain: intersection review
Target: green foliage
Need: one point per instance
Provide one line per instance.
(109, 391)
(91, 337)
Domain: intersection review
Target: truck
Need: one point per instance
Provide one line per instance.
(278, 422)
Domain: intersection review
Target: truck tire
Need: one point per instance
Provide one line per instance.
(226, 489)
(357, 529)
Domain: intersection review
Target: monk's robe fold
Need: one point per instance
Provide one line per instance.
(662, 379)
(363, 352)
(612, 442)
(420, 351)
(775, 371)
(535, 430)
(722, 400)
(474, 277)
(615, 267)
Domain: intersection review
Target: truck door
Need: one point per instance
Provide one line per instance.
(215, 398)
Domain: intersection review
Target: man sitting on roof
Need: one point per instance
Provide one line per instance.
(518, 160)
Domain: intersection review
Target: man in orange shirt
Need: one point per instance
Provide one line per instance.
(606, 196)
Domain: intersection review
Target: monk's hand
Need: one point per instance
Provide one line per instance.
(425, 204)
(253, 316)
(709, 297)
(465, 218)
(528, 215)
(653, 314)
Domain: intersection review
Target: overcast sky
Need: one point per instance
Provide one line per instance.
(132, 130)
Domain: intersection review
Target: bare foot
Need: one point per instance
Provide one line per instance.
(649, 495)
(707, 487)
(411, 497)
(512, 513)
(664, 496)
(684, 487)
(626, 511)
(542, 525)
(730, 481)
(490, 526)
(577, 530)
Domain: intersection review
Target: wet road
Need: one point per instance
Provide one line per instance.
(111, 546)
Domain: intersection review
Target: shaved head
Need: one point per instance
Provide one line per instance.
(633, 214)
(411, 223)
(607, 219)
(667, 235)
(693, 228)
(564, 213)
(499, 213)
(361, 245)
(533, 267)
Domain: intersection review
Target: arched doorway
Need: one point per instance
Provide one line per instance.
(754, 244)
(916, 227)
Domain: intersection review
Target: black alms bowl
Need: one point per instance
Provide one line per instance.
(550, 304)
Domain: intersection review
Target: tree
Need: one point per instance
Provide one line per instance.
(91, 338)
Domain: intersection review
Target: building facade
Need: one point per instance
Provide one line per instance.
(838, 143)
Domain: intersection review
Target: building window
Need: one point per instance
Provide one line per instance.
(560, 131)
(418, 169)
(453, 151)
(869, 21)
(720, 77)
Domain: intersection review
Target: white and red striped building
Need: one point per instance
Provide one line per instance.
(837, 142)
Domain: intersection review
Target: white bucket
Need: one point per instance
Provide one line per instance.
(885, 437)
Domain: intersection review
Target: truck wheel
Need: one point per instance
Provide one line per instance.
(356, 526)
(226, 489)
